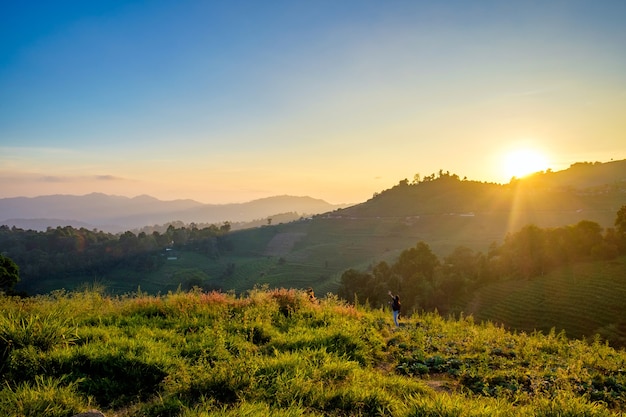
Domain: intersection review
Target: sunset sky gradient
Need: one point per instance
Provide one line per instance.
(231, 101)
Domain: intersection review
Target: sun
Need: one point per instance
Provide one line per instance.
(521, 162)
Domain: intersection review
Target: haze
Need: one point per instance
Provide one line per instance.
(232, 101)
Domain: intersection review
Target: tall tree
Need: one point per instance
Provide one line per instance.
(416, 267)
(9, 274)
(353, 284)
(620, 226)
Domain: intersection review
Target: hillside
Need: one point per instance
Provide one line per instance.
(445, 212)
(583, 192)
(586, 175)
(279, 352)
(582, 300)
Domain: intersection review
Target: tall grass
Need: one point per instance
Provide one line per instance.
(279, 352)
(42, 397)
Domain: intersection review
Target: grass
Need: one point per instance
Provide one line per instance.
(42, 397)
(277, 352)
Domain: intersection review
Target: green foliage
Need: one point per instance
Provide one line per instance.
(9, 274)
(620, 221)
(68, 252)
(281, 352)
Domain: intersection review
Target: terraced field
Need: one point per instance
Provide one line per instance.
(582, 300)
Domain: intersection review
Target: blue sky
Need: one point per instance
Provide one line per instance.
(231, 101)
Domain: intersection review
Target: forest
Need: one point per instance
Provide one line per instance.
(65, 251)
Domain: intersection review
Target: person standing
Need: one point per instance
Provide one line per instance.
(395, 306)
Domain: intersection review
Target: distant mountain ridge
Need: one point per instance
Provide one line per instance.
(590, 190)
(116, 213)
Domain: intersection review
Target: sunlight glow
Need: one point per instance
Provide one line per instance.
(521, 162)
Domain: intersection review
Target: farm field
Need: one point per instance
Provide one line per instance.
(583, 300)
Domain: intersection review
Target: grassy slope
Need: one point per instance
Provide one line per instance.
(582, 299)
(277, 353)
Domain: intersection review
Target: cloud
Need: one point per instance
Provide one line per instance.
(40, 178)
(79, 178)
(33, 183)
(52, 178)
(108, 178)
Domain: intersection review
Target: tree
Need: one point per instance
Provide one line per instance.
(463, 266)
(585, 236)
(528, 251)
(620, 221)
(9, 274)
(128, 242)
(416, 267)
(419, 259)
(383, 273)
(620, 225)
(353, 284)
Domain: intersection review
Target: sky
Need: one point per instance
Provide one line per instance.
(230, 101)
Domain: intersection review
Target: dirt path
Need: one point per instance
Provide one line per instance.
(282, 243)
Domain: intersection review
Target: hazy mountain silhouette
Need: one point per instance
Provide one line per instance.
(115, 213)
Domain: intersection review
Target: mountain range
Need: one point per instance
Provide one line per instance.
(116, 214)
(586, 190)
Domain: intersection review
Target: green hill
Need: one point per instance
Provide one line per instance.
(444, 211)
(281, 353)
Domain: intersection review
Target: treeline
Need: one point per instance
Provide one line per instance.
(64, 252)
(426, 282)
